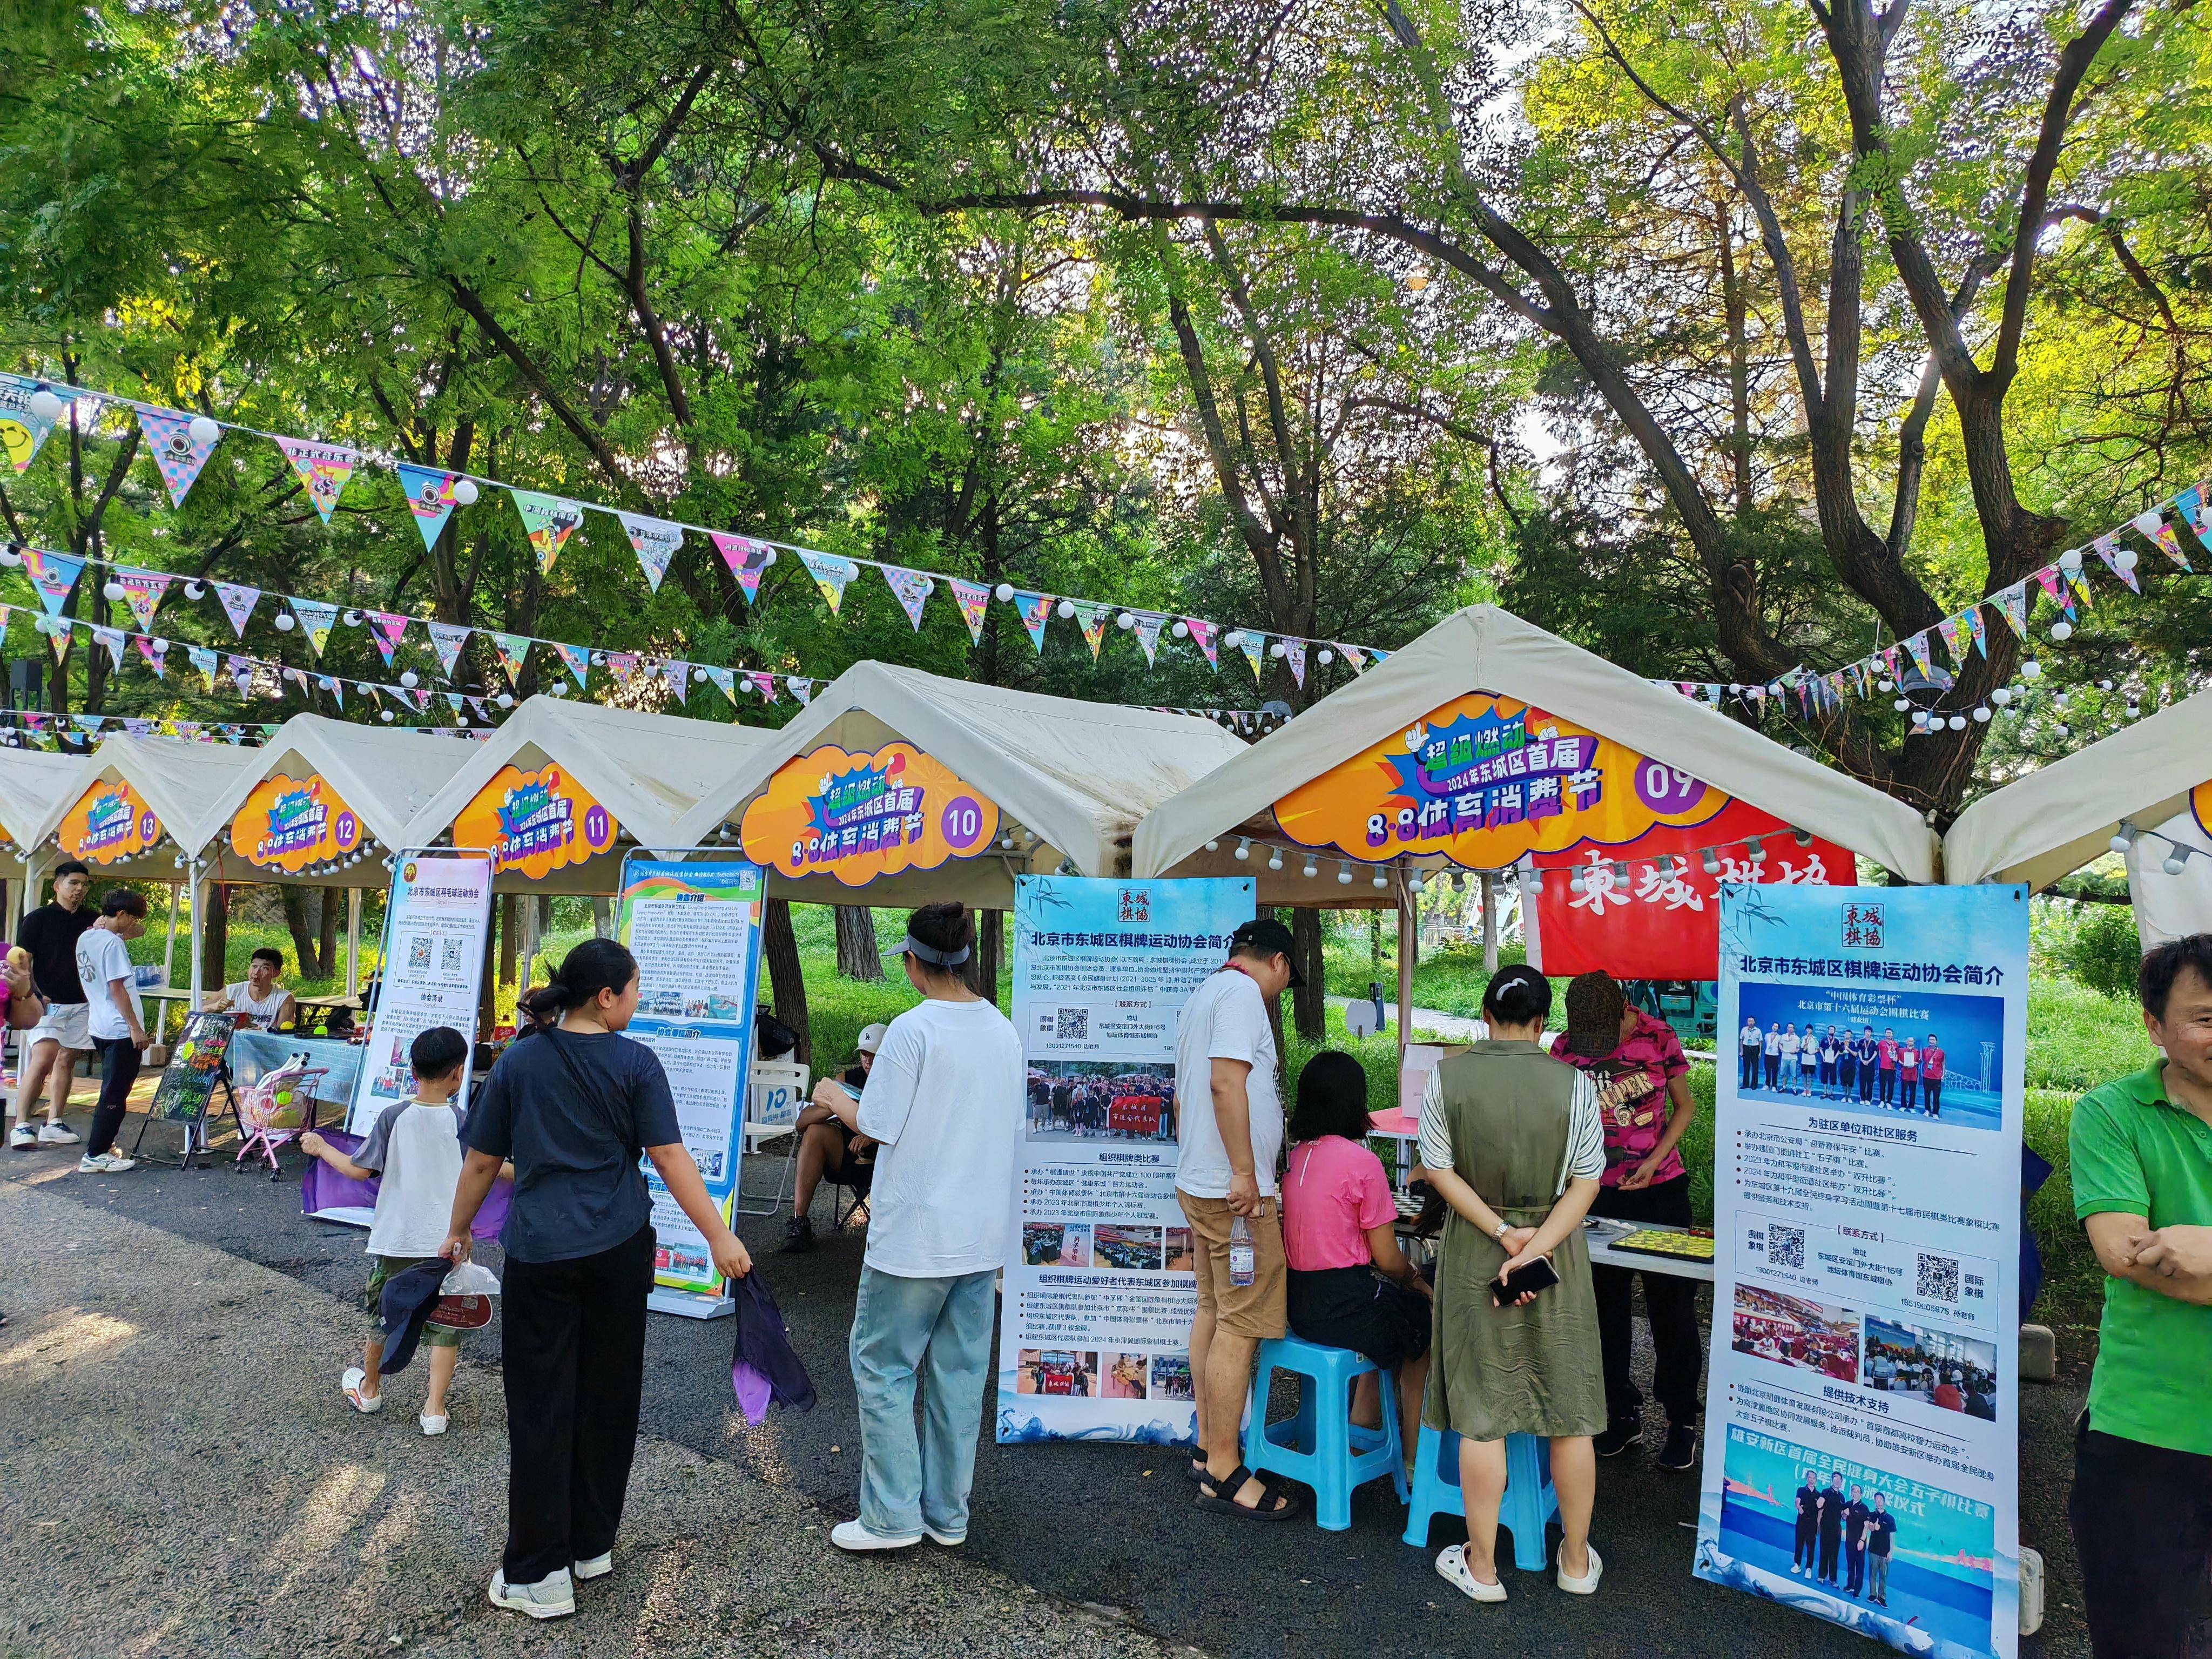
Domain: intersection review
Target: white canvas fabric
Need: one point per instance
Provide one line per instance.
(1483, 649)
(186, 784)
(35, 785)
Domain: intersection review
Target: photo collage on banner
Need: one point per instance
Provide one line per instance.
(435, 923)
(696, 930)
(1101, 1282)
(1861, 1463)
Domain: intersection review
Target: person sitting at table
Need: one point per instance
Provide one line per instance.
(1511, 1139)
(258, 995)
(1350, 1286)
(830, 1142)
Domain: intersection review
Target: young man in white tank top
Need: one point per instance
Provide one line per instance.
(258, 993)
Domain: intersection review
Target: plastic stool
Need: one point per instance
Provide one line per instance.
(1321, 1446)
(1527, 1509)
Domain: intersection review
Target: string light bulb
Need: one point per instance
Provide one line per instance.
(1381, 879)
(2061, 631)
(1712, 862)
(204, 430)
(1344, 877)
(465, 492)
(1312, 868)
(2175, 861)
(1243, 849)
(1274, 858)
(2123, 837)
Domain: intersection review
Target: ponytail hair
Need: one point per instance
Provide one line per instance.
(946, 934)
(595, 965)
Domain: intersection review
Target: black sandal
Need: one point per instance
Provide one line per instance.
(1210, 1496)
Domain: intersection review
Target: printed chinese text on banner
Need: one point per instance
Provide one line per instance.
(748, 559)
(53, 575)
(435, 920)
(322, 468)
(972, 598)
(1865, 1374)
(388, 629)
(1206, 636)
(288, 824)
(858, 816)
(535, 822)
(549, 521)
(830, 575)
(1100, 1282)
(1091, 617)
(142, 592)
(22, 429)
(176, 452)
(110, 823)
(430, 494)
(655, 541)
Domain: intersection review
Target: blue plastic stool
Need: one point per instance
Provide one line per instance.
(1529, 1506)
(1319, 1446)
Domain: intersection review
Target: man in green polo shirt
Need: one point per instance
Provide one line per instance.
(2141, 1507)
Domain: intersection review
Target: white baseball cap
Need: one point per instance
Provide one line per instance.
(871, 1039)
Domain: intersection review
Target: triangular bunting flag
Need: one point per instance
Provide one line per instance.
(430, 494)
(2077, 582)
(655, 541)
(238, 603)
(176, 452)
(447, 639)
(1036, 610)
(1206, 636)
(1255, 647)
(764, 683)
(2012, 606)
(831, 574)
(240, 671)
(802, 689)
(1294, 652)
(154, 651)
(298, 678)
(1380, 657)
(2107, 548)
(1147, 631)
(142, 592)
(549, 521)
(972, 598)
(676, 676)
(1918, 645)
(335, 687)
(59, 639)
(577, 659)
(621, 665)
(322, 468)
(387, 629)
(747, 559)
(913, 589)
(514, 651)
(1978, 629)
(1948, 628)
(23, 430)
(1354, 655)
(53, 575)
(88, 722)
(112, 639)
(726, 682)
(1092, 617)
(2156, 529)
(316, 617)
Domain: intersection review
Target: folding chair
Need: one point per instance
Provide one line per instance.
(773, 1098)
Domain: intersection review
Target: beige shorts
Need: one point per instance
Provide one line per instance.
(1255, 1309)
(64, 1023)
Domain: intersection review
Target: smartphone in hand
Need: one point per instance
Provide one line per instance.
(1537, 1275)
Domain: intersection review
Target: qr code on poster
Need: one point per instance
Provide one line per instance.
(1785, 1246)
(1073, 1024)
(1939, 1277)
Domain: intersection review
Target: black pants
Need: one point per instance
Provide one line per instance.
(573, 1353)
(1670, 1301)
(1911, 1089)
(1888, 1084)
(1866, 1082)
(118, 1070)
(1773, 1070)
(1934, 1086)
(1800, 1551)
(1831, 1544)
(1854, 1567)
(1746, 1073)
(2142, 1517)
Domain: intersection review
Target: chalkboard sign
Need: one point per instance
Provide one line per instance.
(196, 1065)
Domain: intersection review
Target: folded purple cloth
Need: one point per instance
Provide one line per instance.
(325, 1188)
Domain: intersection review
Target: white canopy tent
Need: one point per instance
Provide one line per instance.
(645, 770)
(34, 783)
(1483, 649)
(1070, 779)
(2063, 816)
(186, 784)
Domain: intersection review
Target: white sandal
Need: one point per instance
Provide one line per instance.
(1587, 1585)
(1452, 1564)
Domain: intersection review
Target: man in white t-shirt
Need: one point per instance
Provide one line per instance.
(113, 1021)
(1753, 1044)
(1230, 1126)
(1792, 1078)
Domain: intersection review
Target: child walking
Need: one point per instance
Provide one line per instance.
(416, 1146)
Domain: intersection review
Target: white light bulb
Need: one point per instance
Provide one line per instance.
(2031, 669)
(1234, 637)
(113, 590)
(2174, 864)
(385, 715)
(1244, 851)
(1124, 620)
(1065, 608)
(1005, 591)
(1888, 685)
(46, 406)
(1382, 880)
(1213, 847)
(283, 622)
(193, 589)
(1958, 722)
(2061, 631)
(465, 492)
(411, 679)
(2001, 696)
(204, 430)
(2124, 559)
(1275, 860)
(1344, 877)
(1278, 649)
(506, 700)
(1181, 630)
(1327, 657)
(353, 619)
(2069, 561)
(2065, 730)
(1312, 869)
(1902, 704)
(1981, 715)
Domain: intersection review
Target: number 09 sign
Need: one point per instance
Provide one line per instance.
(858, 816)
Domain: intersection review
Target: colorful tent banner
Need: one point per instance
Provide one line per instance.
(204, 660)
(1034, 610)
(1255, 647)
(447, 639)
(621, 665)
(430, 494)
(1092, 617)
(1207, 637)
(911, 588)
(1294, 652)
(535, 822)
(21, 429)
(53, 575)
(655, 541)
(2012, 606)
(577, 659)
(142, 592)
(549, 521)
(514, 651)
(858, 816)
(2155, 528)
(726, 682)
(322, 469)
(973, 599)
(238, 603)
(178, 454)
(830, 575)
(748, 561)
(1148, 630)
(288, 824)
(110, 823)
(388, 629)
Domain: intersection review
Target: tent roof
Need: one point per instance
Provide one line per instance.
(1483, 649)
(2061, 817)
(35, 783)
(1078, 775)
(186, 783)
(646, 769)
(387, 775)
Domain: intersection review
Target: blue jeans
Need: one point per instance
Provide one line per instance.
(903, 1329)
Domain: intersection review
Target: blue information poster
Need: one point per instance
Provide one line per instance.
(1100, 1281)
(1862, 1453)
(696, 930)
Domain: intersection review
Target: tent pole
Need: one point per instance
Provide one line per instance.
(1408, 935)
(353, 941)
(200, 901)
(169, 967)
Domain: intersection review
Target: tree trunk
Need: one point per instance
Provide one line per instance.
(507, 940)
(300, 922)
(215, 938)
(603, 918)
(1308, 1002)
(326, 932)
(787, 985)
(858, 954)
(990, 952)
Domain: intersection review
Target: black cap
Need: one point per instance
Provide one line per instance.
(1266, 937)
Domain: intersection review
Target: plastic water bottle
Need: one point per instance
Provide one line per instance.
(1242, 1261)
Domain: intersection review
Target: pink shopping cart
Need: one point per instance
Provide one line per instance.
(284, 1088)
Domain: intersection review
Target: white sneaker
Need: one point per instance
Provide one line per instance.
(104, 1164)
(553, 1596)
(598, 1567)
(368, 1404)
(951, 1541)
(58, 1135)
(852, 1536)
(1452, 1564)
(430, 1424)
(22, 1137)
(1587, 1585)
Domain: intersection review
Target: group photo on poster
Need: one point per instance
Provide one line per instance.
(1934, 1054)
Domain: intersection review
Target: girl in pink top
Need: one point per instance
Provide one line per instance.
(1350, 1286)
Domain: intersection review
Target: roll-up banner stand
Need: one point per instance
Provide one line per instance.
(695, 931)
(435, 921)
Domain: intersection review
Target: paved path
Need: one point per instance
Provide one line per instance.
(1452, 1028)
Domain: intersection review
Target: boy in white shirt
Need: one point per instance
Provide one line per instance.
(113, 1021)
(416, 1146)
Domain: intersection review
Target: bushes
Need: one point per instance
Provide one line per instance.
(2095, 944)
